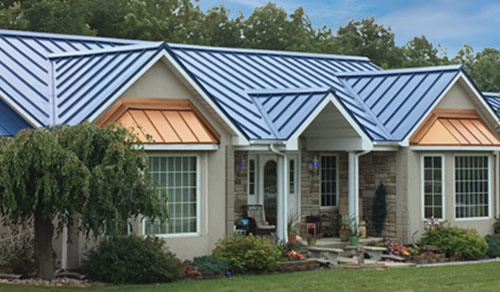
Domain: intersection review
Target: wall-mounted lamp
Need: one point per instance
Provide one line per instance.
(314, 165)
(240, 165)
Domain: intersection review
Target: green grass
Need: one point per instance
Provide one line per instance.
(472, 277)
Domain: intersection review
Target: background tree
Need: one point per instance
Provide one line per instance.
(483, 67)
(419, 52)
(49, 175)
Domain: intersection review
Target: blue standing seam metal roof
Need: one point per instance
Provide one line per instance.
(11, 122)
(493, 100)
(60, 79)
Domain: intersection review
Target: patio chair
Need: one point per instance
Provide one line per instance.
(257, 213)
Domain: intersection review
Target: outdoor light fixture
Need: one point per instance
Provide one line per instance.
(240, 165)
(314, 165)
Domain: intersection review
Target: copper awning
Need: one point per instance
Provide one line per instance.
(162, 121)
(453, 128)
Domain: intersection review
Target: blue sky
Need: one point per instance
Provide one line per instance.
(451, 23)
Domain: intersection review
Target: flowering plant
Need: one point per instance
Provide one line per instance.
(396, 249)
(431, 223)
(295, 255)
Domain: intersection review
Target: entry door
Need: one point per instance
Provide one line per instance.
(268, 195)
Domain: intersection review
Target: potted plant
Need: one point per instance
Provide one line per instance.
(354, 238)
(311, 240)
(345, 228)
(292, 231)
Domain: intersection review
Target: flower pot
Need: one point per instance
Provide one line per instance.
(344, 234)
(354, 240)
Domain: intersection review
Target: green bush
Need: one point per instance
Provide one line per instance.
(454, 241)
(131, 259)
(493, 241)
(246, 254)
(496, 226)
(210, 264)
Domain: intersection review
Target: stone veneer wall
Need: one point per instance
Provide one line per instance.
(310, 184)
(240, 184)
(375, 168)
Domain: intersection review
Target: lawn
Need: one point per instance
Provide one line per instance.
(472, 277)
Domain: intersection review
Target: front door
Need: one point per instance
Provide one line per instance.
(269, 187)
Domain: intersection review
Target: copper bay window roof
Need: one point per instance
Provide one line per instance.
(162, 121)
(445, 127)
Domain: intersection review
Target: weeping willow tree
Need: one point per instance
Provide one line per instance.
(49, 175)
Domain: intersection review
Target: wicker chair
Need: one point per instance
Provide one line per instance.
(257, 213)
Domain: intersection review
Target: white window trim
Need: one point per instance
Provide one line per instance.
(296, 163)
(253, 157)
(422, 184)
(198, 197)
(336, 155)
(489, 189)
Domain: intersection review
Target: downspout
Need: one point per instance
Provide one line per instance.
(497, 185)
(354, 186)
(284, 189)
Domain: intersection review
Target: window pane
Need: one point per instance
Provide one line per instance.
(328, 166)
(176, 176)
(292, 176)
(471, 186)
(433, 187)
(251, 177)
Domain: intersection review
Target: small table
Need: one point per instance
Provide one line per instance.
(307, 227)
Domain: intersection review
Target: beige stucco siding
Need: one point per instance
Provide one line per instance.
(415, 193)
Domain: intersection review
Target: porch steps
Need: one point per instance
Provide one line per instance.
(336, 243)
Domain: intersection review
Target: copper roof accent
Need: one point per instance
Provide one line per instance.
(445, 127)
(162, 121)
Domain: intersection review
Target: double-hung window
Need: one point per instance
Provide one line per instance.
(329, 180)
(433, 174)
(177, 177)
(471, 186)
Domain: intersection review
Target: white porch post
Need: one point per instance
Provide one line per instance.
(282, 208)
(353, 186)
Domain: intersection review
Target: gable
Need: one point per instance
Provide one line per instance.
(456, 98)
(158, 82)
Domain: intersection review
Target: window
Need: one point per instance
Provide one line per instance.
(251, 177)
(328, 181)
(292, 176)
(433, 187)
(176, 177)
(471, 186)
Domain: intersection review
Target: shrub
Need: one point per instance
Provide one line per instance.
(496, 226)
(18, 253)
(210, 264)
(248, 254)
(454, 241)
(493, 245)
(131, 259)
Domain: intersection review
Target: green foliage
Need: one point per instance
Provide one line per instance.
(379, 212)
(131, 259)
(248, 254)
(496, 226)
(493, 241)
(210, 264)
(52, 174)
(483, 67)
(455, 241)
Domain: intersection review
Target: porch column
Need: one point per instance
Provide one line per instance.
(282, 208)
(353, 186)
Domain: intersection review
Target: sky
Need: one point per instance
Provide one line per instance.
(450, 23)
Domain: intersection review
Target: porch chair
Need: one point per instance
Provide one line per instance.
(257, 213)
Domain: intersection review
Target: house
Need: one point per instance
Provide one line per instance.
(300, 134)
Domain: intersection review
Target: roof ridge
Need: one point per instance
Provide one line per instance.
(134, 47)
(67, 36)
(269, 52)
(402, 71)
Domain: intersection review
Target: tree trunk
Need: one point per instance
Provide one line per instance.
(44, 230)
